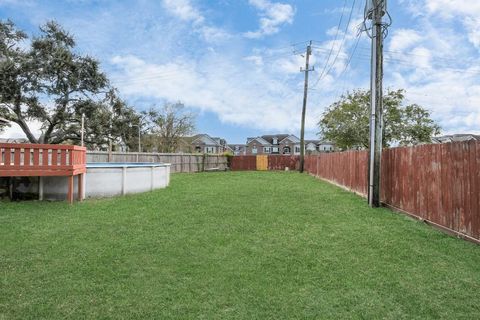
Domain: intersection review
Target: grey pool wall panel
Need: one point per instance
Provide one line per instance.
(112, 179)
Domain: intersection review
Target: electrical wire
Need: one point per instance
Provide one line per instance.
(333, 44)
(343, 40)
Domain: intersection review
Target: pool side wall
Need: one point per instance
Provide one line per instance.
(103, 182)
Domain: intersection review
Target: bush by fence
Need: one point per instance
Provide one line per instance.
(181, 162)
(439, 183)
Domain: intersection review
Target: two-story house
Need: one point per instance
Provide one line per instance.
(238, 149)
(203, 143)
(287, 144)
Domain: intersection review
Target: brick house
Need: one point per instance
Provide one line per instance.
(287, 144)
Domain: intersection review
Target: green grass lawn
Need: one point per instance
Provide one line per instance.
(242, 245)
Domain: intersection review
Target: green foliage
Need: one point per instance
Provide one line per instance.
(239, 245)
(50, 83)
(229, 155)
(166, 127)
(346, 122)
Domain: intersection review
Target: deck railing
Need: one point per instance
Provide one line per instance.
(41, 160)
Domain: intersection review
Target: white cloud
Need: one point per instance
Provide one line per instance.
(403, 39)
(237, 93)
(257, 60)
(451, 8)
(272, 16)
(186, 11)
(466, 12)
(434, 61)
(14, 131)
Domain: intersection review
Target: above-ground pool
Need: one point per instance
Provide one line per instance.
(112, 179)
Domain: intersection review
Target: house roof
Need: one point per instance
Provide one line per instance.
(456, 138)
(208, 140)
(270, 137)
(292, 138)
(326, 142)
(259, 140)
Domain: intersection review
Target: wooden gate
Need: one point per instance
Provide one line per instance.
(262, 162)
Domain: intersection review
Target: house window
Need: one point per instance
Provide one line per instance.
(297, 149)
(210, 149)
(198, 149)
(254, 150)
(274, 149)
(275, 141)
(286, 150)
(266, 149)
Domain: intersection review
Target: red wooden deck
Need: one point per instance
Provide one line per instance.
(40, 160)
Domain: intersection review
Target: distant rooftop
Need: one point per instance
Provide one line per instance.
(456, 138)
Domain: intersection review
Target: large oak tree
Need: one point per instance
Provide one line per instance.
(45, 80)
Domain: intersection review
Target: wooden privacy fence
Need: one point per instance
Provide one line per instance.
(348, 169)
(280, 162)
(181, 162)
(239, 163)
(264, 162)
(439, 183)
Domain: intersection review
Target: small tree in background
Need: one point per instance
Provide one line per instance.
(346, 122)
(168, 126)
(50, 83)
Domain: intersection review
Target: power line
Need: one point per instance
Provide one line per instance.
(343, 40)
(349, 60)
(333, 43)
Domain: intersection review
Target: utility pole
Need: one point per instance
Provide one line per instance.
(304, 108)
(139, 126)
(375, 13)
(82, 130)
(139, 138)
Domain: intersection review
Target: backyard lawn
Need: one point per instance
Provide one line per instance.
(240, 245)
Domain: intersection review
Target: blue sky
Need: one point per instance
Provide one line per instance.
(232, 62)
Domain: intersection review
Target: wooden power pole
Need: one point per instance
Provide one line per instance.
(304, 107)
(378, 9)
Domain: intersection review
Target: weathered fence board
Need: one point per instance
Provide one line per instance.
(348, 169)
(439, 183)
(181, 162)
(280, 162)
(239, 163)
